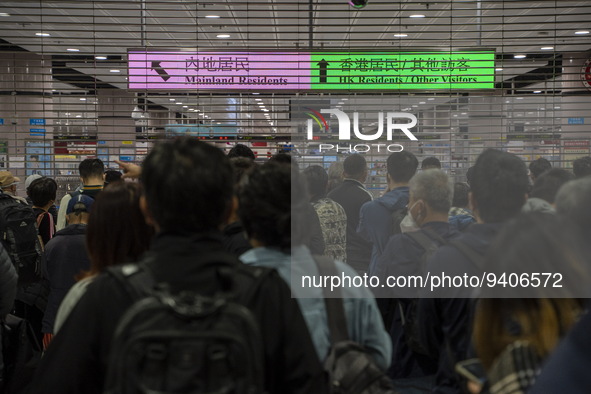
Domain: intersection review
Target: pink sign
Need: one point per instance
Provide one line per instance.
(219, 70)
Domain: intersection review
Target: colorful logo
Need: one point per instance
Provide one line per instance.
(317, 116)
(392, 120)
(586, 74)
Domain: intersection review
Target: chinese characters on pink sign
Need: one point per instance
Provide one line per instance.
(219, 70)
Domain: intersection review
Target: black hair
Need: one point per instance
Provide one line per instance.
(402, 166)
(499, 185)
(430, 162)
(240, 166)
(281, 157)
(540, 241)
(188, 185)
(470, 175)
(42, 191)
(461, 190)
(317, 181)
(271, 196)
(240, 150)
(539, 166)
(89, 168)
(582, 166)
(113, 176)
(572, 202)
(354, 166)
(547, 185)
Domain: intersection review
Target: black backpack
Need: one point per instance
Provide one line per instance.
(20, 238)
(183, 343)
(350, 366)
(21, 353)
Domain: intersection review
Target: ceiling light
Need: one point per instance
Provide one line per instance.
(519, 98)
(417, 16)
(73, 50)
(400, 35)
(42, 34)
(172, 99)
(431, 98)
(82, 99)
(78, 116)
(223, 36)
(464, 113)
(414, 106)
(422, 102)
(537, 91)
(185, 106)
(256, 93)
(114, 71)
(100, 57)
(265, 110)
(546, 48)
(341, 102)
(344, 99)
(212, 16)
(257, 99)
(179, 103)
(556, 107)
(519, 56)
(582, 32)
(498, 69)
(4, 14)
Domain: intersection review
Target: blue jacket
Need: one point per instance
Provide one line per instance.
(375, 220)
(364, 322)
(446, 321)
(402, 256)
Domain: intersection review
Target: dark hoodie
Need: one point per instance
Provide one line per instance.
(65, 257)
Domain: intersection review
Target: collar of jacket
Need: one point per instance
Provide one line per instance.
(200, 248)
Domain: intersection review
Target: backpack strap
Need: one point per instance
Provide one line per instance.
(335, 310)
(137, 279)
(469, 252)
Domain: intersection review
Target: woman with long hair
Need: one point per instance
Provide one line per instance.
(117, 233)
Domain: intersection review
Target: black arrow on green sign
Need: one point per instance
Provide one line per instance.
(161, 71)
(323, 70)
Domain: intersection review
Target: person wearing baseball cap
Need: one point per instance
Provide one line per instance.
(8, 184)
(65, 258)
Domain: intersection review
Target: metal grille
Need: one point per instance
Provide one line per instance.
(64, 92)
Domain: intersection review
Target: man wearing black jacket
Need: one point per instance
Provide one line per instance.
(351, 195)
(498, 191)
(187, 254)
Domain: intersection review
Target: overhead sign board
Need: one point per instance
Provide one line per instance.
(166, 70)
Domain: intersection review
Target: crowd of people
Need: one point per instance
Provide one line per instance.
(185, 273)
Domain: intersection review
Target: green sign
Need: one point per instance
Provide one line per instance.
(403, 70)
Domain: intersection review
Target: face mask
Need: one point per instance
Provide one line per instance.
(408, 224)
